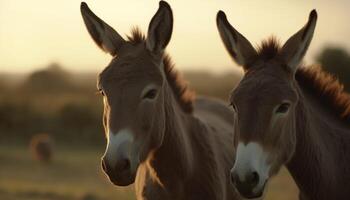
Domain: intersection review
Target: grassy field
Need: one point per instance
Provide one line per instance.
(75, 175)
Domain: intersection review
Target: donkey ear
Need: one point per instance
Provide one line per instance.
(104, 36)
(296, 46)
(236, 44)
(160, 28)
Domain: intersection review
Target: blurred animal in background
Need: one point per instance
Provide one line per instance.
(41, 147)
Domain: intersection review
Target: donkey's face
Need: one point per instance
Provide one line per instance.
(264, 103)
(132, 89)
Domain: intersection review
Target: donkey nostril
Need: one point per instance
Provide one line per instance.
(123, 165)
(253, 179)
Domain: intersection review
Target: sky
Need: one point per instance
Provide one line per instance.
(38, 32)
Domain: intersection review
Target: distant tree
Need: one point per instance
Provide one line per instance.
(215, 85)
(336, 60)
(19, 120)
(52, 79)
(3, 87)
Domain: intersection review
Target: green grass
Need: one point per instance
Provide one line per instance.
(75, 173)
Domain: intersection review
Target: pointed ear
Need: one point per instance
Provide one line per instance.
(236, 44)
(104, 36)
(296, 46)
(160, 28)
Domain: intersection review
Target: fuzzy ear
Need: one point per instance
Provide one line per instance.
(296, 46)
(160, 28)
(236, 44)
(104, 36)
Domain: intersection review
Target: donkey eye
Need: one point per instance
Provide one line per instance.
(283, 108)
(151, 94)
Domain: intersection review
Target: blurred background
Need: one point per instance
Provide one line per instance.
(51, 135)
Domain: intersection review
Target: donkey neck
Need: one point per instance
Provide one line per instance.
(316, 166)
(172, 162)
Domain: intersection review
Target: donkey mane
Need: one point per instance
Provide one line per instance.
(179, 86)
(315, 80)
(269, 48)
(136, 36)
(328, 88)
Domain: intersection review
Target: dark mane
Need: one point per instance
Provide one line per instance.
(269, 48)
(327, 87)
(136, 36)
(183, 94)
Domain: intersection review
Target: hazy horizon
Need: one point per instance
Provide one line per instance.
(36, 33)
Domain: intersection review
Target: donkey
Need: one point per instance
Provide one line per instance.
(287, 114)
(158, 136)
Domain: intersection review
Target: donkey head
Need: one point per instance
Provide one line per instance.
(264, 103)
(132, 86)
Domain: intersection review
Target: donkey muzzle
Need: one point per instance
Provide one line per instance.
(249, 186)
(117, 166)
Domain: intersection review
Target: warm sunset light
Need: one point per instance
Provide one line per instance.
(35, 33)
(174, 99)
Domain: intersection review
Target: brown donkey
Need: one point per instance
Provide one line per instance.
(286, 114)
(157, 137)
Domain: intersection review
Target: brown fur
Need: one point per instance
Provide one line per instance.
(320, 138)
(154, 138)
(183, 94)
(298, 116)
(193, 127)
(269, 48)
(327, 88)
(316, 81)
(136, 36)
